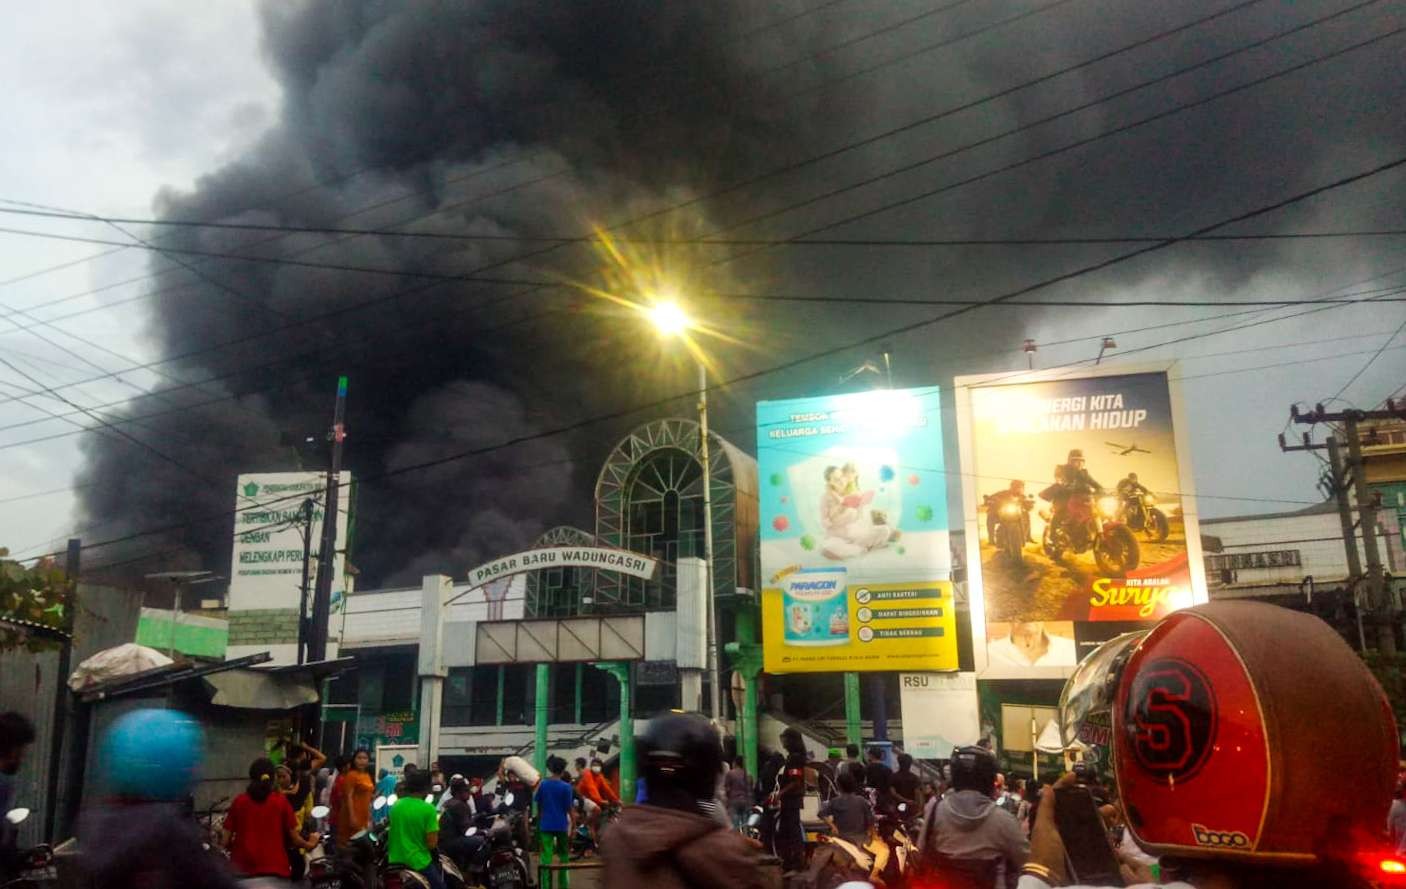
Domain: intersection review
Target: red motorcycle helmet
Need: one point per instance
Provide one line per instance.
(1247, 732)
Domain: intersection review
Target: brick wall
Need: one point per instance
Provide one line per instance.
(263, 626)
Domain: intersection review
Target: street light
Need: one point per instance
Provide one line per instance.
(672, 321)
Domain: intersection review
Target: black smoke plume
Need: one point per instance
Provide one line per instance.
(539, 118)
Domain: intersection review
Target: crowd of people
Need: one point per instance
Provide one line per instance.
(692, 824)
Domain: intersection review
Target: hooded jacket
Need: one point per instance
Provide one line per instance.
(148, 845)
(650, 846)
(969, 825)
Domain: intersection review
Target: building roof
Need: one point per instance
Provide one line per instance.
(1327, 506)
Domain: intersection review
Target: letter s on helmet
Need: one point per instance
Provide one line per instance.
(1223, 716)
(152, 754)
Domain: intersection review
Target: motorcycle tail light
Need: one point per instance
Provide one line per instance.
(1393, 866)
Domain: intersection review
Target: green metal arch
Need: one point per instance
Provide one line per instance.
(616, 478)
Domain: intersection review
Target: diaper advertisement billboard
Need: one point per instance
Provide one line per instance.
(1081, 529)
(856, 565)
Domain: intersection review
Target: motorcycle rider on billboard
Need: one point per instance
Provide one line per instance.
(1070, 478)
(1013, 494)
(1130, 487)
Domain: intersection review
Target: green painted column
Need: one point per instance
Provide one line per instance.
(499, 717)
(621, 672)
(580, 682)
(854, 732)
(746, 657)
(542, 709)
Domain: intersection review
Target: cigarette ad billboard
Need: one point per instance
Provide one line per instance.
(856, 565)
(1081, 531)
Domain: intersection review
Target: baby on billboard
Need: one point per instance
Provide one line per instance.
(851, 527)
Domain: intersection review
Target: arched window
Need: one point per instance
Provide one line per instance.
(663, 519)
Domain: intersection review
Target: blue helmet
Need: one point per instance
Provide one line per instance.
(153, 754)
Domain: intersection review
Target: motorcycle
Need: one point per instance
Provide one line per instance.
(1084, 525)
(898, 831)
(1140, 513)
(358, 865)
(36, 865)
(1011, 525)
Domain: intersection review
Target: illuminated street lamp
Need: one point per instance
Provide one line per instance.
(671, 321)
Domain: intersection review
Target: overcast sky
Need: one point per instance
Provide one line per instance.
(109, 103)
(105, 104)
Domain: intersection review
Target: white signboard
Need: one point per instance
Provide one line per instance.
(610, 559)
(266, 568)
(940, 712)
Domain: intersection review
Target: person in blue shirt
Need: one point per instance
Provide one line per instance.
(554, 797)
(385, 786)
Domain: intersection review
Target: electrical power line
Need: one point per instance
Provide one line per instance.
(621, 413)
(924, 243)
(497, 264)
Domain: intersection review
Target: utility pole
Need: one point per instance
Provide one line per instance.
(322, 599)
(1385, 608)
(1339, 486)
(307, 507)
(63, 700)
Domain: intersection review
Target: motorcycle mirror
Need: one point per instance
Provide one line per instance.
(323, 811)
(508, 799)
(16, 816)
(380, 803)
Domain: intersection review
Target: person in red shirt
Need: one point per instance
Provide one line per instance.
(259, 824)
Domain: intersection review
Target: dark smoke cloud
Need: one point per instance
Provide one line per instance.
(538, 117)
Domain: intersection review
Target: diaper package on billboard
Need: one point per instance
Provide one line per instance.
(816, 607)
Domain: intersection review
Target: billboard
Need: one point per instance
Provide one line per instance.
(856, 569)
(266, 564)
(940, 712)
(1081, 530)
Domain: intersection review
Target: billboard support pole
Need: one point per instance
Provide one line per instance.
(322, 598)
(854, 733)
(746, 657)
(541, 712)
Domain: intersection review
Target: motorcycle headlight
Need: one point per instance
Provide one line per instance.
(1149, 499)
(1108, 506)
(1010, 511)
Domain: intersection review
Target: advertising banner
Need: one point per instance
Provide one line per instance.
(856, 564)
(266, 563)
(1081, 532)
(940, 712)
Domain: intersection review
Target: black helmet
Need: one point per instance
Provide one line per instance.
(681, 750)
(974, 768)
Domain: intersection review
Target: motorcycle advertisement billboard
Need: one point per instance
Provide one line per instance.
(855, 558)
(1077, 527)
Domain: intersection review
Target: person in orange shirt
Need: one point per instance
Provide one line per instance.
(357, 790)
(594, 786)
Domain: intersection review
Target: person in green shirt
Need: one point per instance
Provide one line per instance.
(414, 831)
